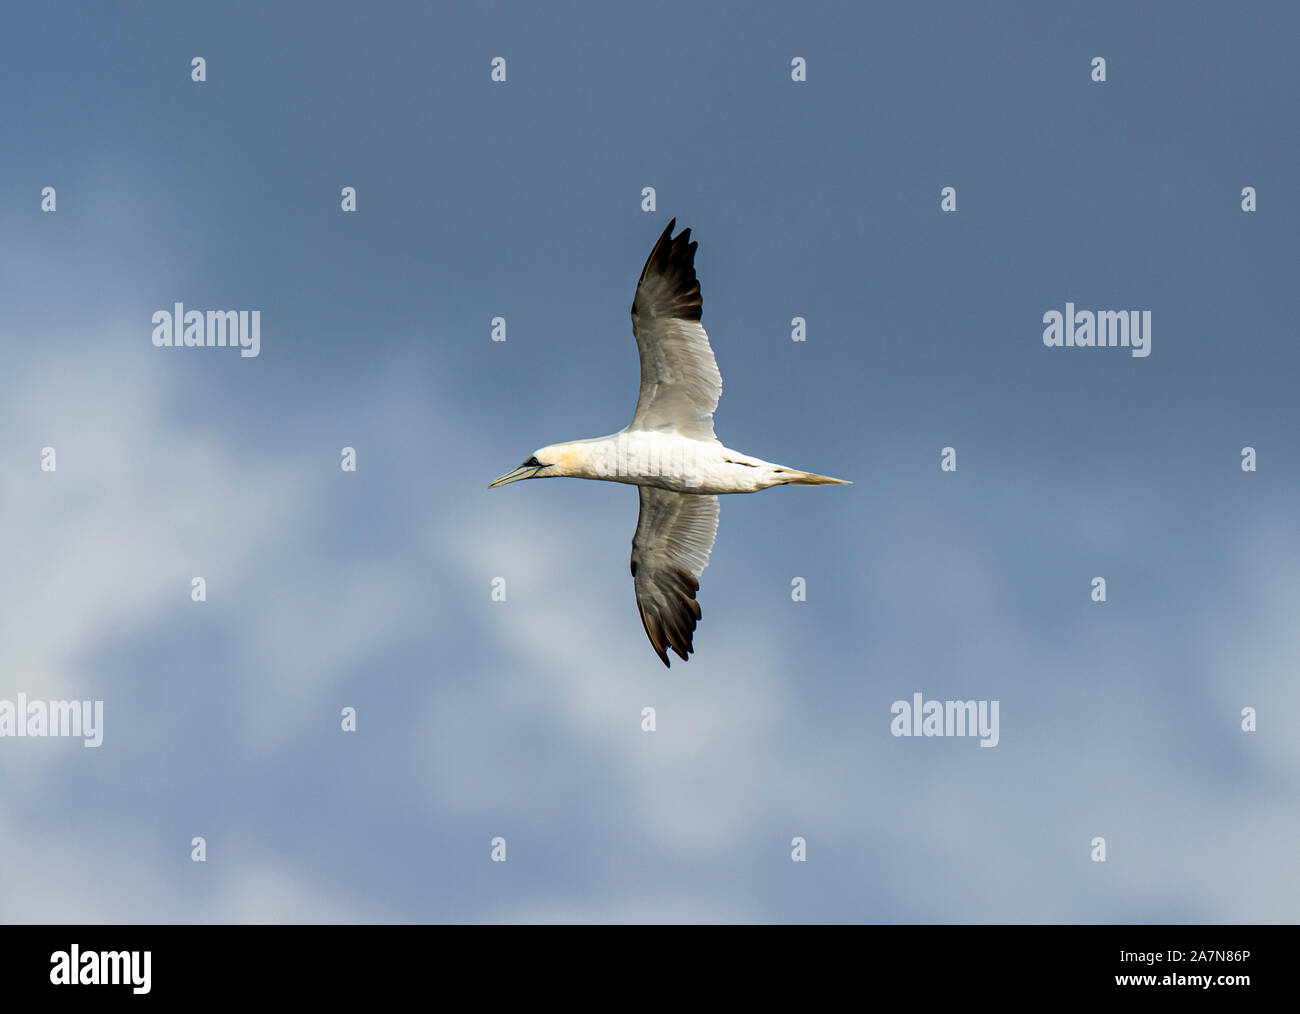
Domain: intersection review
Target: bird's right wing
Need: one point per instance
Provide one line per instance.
(680, 383)
(670, 550)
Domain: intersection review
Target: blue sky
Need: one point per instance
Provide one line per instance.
(522, 719)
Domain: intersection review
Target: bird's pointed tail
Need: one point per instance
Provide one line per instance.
(798, 478)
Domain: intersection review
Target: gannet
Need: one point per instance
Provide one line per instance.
(669, 449)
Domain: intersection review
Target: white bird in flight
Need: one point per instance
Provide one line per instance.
(669, 449)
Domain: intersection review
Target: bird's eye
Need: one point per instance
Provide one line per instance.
(531, 463)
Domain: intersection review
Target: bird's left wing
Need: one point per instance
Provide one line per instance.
(670, 550)
(680, 383)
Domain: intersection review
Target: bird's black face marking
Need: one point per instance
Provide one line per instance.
(532, 463)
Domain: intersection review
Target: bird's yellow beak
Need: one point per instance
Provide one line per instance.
(522, 472)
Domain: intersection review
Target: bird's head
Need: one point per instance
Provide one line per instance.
(545, 463)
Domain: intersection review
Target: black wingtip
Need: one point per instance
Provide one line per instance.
(665, 239)
(673, 259)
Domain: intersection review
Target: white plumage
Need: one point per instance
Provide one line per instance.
(669, 449)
